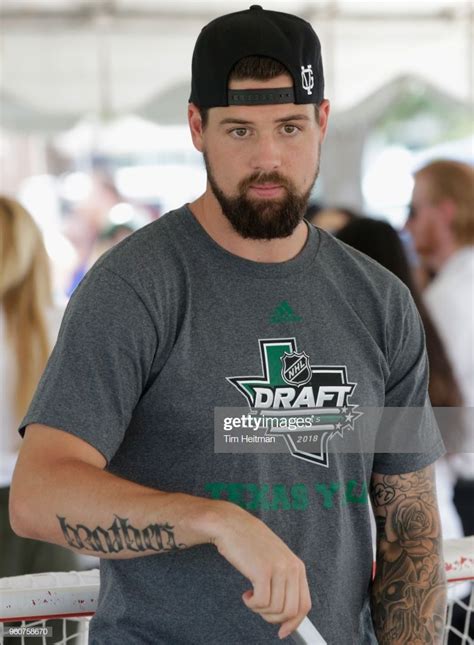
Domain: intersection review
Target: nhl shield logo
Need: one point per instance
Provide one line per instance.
(307, 78)
(296, 369)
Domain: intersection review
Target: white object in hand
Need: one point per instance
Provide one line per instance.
(307, 634)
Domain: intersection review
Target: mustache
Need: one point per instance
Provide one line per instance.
(264, 178)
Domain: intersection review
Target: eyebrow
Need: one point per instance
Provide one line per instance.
(292, 117)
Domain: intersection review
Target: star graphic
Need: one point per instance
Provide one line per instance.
(338, 426)
(349, 417)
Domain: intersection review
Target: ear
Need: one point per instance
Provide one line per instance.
(195, 126)
(324, 109)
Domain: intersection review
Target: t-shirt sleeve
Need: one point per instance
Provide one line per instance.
(408, 428)
(100, 364)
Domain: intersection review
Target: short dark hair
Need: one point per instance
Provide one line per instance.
(257, 68)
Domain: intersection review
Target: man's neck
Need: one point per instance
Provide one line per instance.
(207, 211)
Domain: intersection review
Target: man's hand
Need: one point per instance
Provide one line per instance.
(280, 589)
(409, 588)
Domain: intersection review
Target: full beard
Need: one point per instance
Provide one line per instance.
(262, 219)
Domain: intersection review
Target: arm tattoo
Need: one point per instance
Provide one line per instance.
(120, 536)
(409, 588)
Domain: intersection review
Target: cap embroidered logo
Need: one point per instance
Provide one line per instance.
(307, 78)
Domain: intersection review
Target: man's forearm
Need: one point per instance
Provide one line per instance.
(409, 589)
(94, 512)
(61, 494)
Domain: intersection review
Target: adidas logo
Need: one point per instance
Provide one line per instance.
(284, 314)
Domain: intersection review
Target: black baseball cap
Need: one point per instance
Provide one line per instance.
(256, 32)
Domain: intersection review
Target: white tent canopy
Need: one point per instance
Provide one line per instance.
(63, 59)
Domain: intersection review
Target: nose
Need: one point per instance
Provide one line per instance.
(266, 154)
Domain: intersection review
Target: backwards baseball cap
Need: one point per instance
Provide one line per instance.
(256, 32)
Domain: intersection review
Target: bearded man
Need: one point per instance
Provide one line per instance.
(226, 318)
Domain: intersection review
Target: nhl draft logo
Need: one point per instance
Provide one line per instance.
(307, 78)
(305, 405)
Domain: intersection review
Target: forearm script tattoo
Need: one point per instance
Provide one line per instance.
(120, 536)
(409, 589)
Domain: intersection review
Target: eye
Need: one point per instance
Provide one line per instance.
(290, 129)
(239, 133)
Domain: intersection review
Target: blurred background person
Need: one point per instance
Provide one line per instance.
(442, 227)
(87, 221)
(330, 219)
(29, 323)
(100, 221)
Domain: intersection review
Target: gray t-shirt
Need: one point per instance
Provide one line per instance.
(169, 326)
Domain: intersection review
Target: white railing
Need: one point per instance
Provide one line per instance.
(29, 603)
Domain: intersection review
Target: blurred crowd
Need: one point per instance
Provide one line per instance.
(433, 255)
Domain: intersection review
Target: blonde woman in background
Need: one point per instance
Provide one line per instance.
(29, 323)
